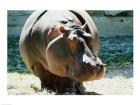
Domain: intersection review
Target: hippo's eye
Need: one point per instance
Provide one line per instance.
(71, 20)
(64, 22)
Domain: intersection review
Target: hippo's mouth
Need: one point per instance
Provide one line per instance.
(88, 70)
(93, 63)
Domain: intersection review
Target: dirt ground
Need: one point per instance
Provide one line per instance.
(114, 83)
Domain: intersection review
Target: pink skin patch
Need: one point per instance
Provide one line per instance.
(50, 31)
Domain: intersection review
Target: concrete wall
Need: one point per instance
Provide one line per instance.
(109, 23)
(16, 20)
(112, 26)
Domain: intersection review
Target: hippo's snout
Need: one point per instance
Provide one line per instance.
(87, 71)
(89, 67)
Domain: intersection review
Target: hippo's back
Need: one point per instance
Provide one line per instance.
(33, 40)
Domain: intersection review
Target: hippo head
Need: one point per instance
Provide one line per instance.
(71, 55)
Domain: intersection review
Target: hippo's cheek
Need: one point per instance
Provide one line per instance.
(101, 73)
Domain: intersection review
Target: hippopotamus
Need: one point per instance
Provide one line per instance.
(61, 48)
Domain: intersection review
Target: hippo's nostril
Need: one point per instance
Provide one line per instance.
(98, 66)
(101, 66)
(75, 38)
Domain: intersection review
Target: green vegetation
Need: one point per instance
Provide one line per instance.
(116, 52)
(15, 62)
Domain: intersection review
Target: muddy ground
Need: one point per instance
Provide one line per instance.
(116, 52)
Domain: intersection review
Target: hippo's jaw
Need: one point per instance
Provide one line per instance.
(87, 71)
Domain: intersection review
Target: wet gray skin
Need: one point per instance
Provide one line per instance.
(84, 65)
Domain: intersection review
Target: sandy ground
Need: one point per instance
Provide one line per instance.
(114, 83)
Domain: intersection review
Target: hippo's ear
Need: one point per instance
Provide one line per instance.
(63, 29)
(84, 26)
